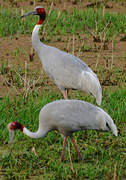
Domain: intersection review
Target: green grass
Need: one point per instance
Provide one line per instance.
(104, 155)
(67, 23)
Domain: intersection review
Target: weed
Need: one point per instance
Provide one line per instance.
(4, 67)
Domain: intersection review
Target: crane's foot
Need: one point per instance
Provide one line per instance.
(76, 148)
(63, 151)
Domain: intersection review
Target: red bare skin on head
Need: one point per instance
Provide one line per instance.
(16, 125)
(42, 14)
(40, 22)
(40, 10)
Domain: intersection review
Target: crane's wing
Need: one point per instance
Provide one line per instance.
(68, 71)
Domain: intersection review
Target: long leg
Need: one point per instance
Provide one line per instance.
(76, 148)
(63, 151)
(65, 94)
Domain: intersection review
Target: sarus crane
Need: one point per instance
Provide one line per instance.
(67, 117)
(65, 70)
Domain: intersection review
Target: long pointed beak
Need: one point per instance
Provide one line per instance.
(29, 13)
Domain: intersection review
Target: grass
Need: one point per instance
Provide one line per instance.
(63, 23)
(103, 154)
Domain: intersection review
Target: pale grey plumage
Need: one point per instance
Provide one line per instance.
(67, 117)
(65, 70)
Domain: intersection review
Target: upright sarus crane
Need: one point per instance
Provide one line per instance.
(67, 117)
(65, 70)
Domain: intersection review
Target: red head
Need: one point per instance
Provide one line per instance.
(16, 125)
(42, 14)
(40, 11)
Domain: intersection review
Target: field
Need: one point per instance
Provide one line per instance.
(95, 31)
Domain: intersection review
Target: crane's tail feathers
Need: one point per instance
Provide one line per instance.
(91, 84)
(111, 124)
(99, 99)
(114, 130)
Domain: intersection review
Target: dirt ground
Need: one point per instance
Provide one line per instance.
(16, 49)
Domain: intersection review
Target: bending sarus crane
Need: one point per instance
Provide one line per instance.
(67, 117)
(65, 70)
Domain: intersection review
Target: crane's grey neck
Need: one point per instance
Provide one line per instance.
(36, 43)
(37, 134)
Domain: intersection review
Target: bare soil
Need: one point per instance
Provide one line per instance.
(16, 49)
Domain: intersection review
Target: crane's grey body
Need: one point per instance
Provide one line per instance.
(68, 116)
(65, 70)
